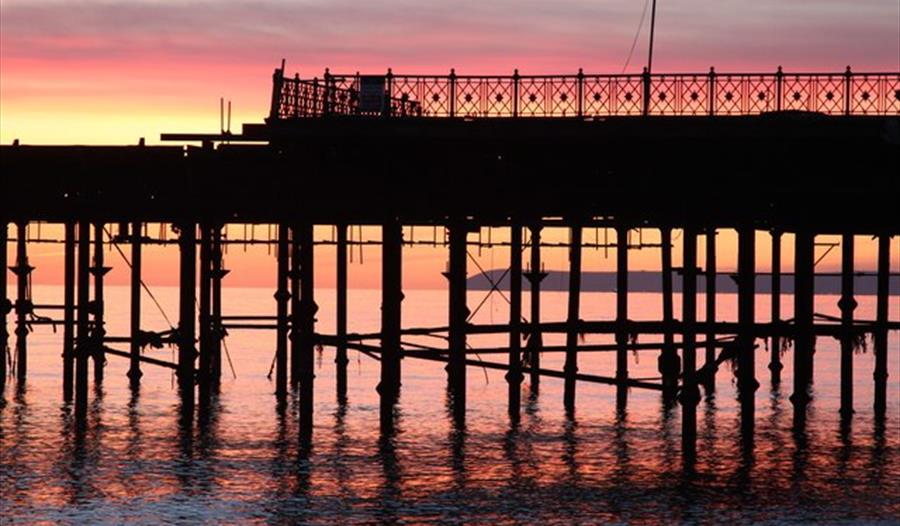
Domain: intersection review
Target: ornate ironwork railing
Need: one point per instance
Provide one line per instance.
(585, 95)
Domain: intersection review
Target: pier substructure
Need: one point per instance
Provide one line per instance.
(340, 358)
(134, 365)
(83, 336)
(881, 326)
(99, 272)
(391, 298)
(514, 376)
(459, 312)
(804, 338)
(746, 360)
(571, 364)
(282, 299)
(710, 293)
(669, 365)
(296, 307)
(535, 338)
(68, 354)
(690, 393)
(305, 321)
(4, 307)
(621, 315)
(23, 307)
(775, 365)
(847, 304)
(187, 313)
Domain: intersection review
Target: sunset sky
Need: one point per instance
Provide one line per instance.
(105, 72)
(101, 71)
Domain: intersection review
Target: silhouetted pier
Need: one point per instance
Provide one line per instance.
(801, 154)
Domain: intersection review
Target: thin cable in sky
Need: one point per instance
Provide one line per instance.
(637, 35)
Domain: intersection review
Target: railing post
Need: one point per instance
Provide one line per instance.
(779, 81)
(389, 89)
(711, 103)
(848, 75)
(645, 76)
(580, 92)
(516, 92)
(295, 108)
(452, 92)
(326, 100)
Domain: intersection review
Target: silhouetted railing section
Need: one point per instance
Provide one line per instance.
(584, 95)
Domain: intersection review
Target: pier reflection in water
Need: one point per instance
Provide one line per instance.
(139, 460)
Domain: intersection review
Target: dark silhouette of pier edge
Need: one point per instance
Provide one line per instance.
(453, 154)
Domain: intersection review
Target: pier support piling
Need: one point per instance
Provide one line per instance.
(68, 353)
(99, 272)
(690, 393)
(881, 326)
(340, 358)
(391, 298)
(305, 321)
(572, 331)
(187, 313)
(134, 366)
(83, 336)
(669, 365)
(804, 339)
(621, 314)
(746, 360)
(457, 319)
(218, 332)
(710, 292)
(514, 376)
(22, 271)
(535, 277)
(204, 315)
(775, 365)
(847, 304)
(282, 298)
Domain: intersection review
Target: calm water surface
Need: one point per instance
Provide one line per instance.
(138, 463)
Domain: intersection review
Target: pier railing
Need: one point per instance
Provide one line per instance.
(585, 95)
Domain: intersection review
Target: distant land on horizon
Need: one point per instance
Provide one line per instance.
(651, 281)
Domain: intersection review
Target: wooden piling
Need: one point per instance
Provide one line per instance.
(187, 313)
(98, 271)
(282, 298)
(690, 394)
(514, 376)
(69, 312)
(296, 310)
(571, 364)
(458, 314)
(216, 307)
(134, 366)
(340, 358)
(307, 326)
(847, 304)
(803, 318)
(668, 365)
(391, 298)
(746, 276)
(621, 313)
(881, 322)
(83, 336)
(23, 301)
(775, 365)
(535, 277)
(710, 292)
(204, 315)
